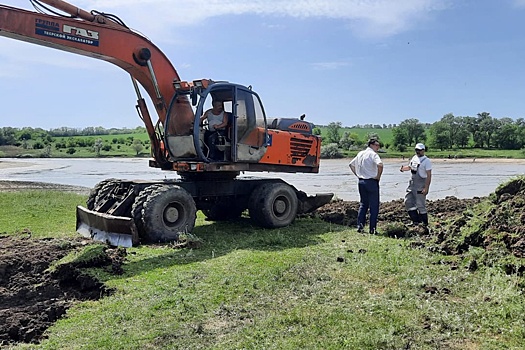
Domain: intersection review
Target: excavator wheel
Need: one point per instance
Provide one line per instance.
(273, 205)
(224, 211)
(90, 203)
(167, 212)
(138, 205)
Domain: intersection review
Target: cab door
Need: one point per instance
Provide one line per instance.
(250, 130)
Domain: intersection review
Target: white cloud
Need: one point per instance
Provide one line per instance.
(518, 3)
(365, 17)
(329, 65)
(36, 56)
(156, 18)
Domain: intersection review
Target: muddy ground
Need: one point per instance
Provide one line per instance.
(33, 295)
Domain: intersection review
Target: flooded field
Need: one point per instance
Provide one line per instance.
(459, 178)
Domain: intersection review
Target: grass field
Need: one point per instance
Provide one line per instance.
(312, 285)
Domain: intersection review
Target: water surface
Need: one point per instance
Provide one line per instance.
(459, 178)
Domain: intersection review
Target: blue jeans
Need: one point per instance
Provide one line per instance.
(369, 193)
(212, 139)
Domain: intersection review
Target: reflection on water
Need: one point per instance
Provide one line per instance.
(450, 178)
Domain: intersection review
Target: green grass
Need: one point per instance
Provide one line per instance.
(312, 285)
(43, 213)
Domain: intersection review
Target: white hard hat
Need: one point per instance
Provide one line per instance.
(420, 146)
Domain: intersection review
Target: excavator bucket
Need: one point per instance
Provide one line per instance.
(114, 230)
(307, 204)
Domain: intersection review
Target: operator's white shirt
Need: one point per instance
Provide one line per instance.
(214, 119)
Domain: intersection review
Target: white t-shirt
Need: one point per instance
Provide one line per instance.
(366, 163)
(421, 165)
(214, 119)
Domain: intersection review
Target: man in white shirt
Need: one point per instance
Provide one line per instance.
(415, 198)
(368, 167)
(217, 122)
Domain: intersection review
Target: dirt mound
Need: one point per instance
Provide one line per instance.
(495, 223)
(498, 227)
(33, 295)
(345, 212)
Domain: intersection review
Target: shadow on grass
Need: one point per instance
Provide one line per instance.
(220, 238)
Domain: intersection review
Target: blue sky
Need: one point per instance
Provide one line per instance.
(348, 61)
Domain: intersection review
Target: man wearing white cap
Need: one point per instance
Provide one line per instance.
(415, 198)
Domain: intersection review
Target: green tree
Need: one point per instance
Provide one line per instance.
(472, 126)
(508, 135)
(488, 126)
(46, 153)
(137, 146)
(462, 137)
(7, 136)
(410, 131)
(350, 140)
(331, 151)
(98, 146)
(440, 135)
(450, 131)
(399, 139)
(415, 131)
(333, 132)
(451, 124)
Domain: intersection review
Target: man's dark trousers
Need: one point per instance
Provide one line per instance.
(369, 193)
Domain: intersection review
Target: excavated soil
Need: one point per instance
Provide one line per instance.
(33, 293)
(498, 228)
(33, 296)
(345, 212)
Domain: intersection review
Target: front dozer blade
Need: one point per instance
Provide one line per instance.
(114, 230)
(307, 204)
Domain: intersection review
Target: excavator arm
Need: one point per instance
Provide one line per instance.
(101, 37)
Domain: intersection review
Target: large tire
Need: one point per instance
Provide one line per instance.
(273, 205)
(138, 205)
(224, 211)
(168, 212)
(254, 204)
(103, 193)
(90, 202)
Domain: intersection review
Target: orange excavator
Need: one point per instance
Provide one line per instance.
(128, 212)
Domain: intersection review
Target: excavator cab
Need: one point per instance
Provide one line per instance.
(244, 139)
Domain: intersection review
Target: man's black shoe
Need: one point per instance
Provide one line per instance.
(374, 232)
(359, 229)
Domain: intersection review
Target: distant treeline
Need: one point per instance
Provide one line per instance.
(14, 136)
(451, 132)
(363, 126)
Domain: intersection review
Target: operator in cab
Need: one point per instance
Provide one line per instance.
(217, 120)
